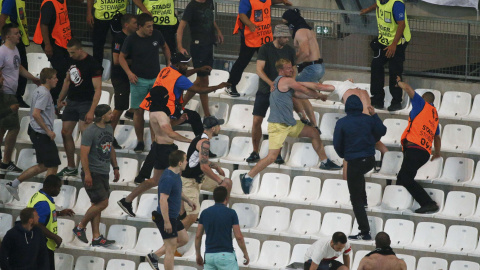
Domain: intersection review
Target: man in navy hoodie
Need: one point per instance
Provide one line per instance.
(354, 140)
(24, 246)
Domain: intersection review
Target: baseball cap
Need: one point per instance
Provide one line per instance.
(211, 121)
(100, 111)
(281, 30)
(179, 58)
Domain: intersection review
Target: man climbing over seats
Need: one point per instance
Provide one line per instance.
(383, 257)
(282, 124)
(322, 254)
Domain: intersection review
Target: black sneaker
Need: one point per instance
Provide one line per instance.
(395, 107)
(254, 157)
(150, 258)
(376, 104)
(138, 180)
(232, 91)
(80, 234)
(431, 207)
(10, 167)
(129, 115)
(211, 155)
(279, 160)
(139, 148)
(329, 165)
(126, 207)
(378, 165)
(361, 236)
(102, 242)
(116, 145)
(306, 122)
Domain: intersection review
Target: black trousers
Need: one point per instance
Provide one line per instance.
(169, 33)
(22, 82)
(244, 57)
(194, 120)
(99, 36)
(51, 258)
(413, 159)
(356, 186)
(60, 62)
(377, 76)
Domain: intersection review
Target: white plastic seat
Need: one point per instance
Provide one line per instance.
(253, 248)
(400, 231)
(437, 195)
(107, 69)
(395, 128)
(64, 161)
(327, 125)
(22, 136)
(476, 216)
(334, 193)
(456, 138)
(89, 263)
(430, 170)
(63, 261)
(388, 100)
(304, 190)
(240, 149)
(77, 244)
(6, 223)
(358, 257)
(237, 188)
(475, 146)
(57, 128)
(126, 138)
(26, 159)
(395, 200)
(248, 215)
(113, 210)
(473, 115)
(64, 230)
(273, 186)
(83, 202)
(219, 145)
(5, 196)
(333, 156)
(146, 266)
(457, 170)
(248, 84)
(436, 93)
(242, 120)
(149, 240)
(274, 255)
(104, 98)
(148, 203)
(37, 62)
(66, 198)
(118, 264)
(376, 225)
(284, 152)
(464, 265)
(125, 237)
(128, 171)
(409, 260)
(204, 205)
(458, 205)
(302, 157)
(273, 220)
(219, 110)
(374, 196)
(391, 164)
(216, 77)
(431, 263)
(304, 223)
(298, 254)
(455, 104)
(25, 191)
(335, 222)
(27, 96)
(428, 236)
(460, 240)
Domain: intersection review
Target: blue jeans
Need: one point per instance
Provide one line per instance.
(313, 73)
(220, 261)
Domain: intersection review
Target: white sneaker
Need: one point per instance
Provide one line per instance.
(13, 191)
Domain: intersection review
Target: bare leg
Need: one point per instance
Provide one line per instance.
(52, 170)
(10, 140)
(92, 212)
(189, 220)
(170, 247)
(68, 143)
(299, 109)
(146, 185)
(263, 163)
(31, 172)
(138, 123)
(317, 143)
(256, 132)
(182, 240)
(307, 107)
(96, 225)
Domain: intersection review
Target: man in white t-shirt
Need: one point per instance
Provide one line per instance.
(321, 255)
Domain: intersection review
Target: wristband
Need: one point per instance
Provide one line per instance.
(116, 168)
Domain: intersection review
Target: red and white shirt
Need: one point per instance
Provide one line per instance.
(321, 250)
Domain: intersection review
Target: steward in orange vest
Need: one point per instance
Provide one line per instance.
(61, 32)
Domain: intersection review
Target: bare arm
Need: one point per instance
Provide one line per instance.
(90, 20)
(164, 209)
(346, 260)
(437, 142)
(205, 164)
(405, 87)
(369, 9)
(318, 86)
(141, 6)
(181, 27)
(46, 40)
(84, 150)
(166, 53)
(246, 21)
(24, 73)
(190, 72)
(261, 73)
(122, 60)
(205, 90)
(219, 33)
(313, 266)
(241, 242)
(399, 33)
(301, 91)
(198, 240)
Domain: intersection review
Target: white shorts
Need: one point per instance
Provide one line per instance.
(340, 89)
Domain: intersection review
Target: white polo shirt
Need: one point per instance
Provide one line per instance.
(321, 250)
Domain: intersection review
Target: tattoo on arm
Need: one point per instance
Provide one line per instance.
(204, 152)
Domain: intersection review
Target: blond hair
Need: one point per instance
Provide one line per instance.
(281, 62)
(47, 73)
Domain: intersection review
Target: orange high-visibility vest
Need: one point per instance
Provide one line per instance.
(167, 77)
(260, 16)
(61, 32)
(421, 130)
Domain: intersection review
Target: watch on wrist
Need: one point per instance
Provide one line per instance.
(116, 168)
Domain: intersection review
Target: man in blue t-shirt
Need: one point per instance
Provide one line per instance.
(170, 197)
(218, 221)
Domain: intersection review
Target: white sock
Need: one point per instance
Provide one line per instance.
(325, 161)
(248, 176)
(15, 182)
(71, 168)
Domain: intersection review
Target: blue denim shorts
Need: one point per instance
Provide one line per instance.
(313, 73)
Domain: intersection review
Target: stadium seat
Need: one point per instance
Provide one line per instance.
(431, 263)
(248, 215)
(274, 186)
(253, 249)
(219, 110)
(428, 236)
(187, 134)
(316, 115)
(107, 69)
(188, 250)
(83, 202)
(458, 205)
(304, 189)
(182, 146)
(113, 210)
(334, 194)
(26, 159)
(388, 100)
(22, 136)
(430, 170)
(5, 196)
(436, 194)
(240, 149)
(64, 161)
(304, 223)
(6, 223)
(125, 237)
(395, 200)
(476, 216)
(242, 122)
(89, 263)
(64, 230)
(475, 147)
(298, 254)
(148, 203)
(409, 260)
(66, 198)
(464, 265)
(215, 78)
(27, 96)
(274, 255)
(219, 146)
(37, 62)
(247, 86)
(104, 98)
(327, 125)
(77, 244)
(273, 220)
(204, 205)
(457, 170)
(391, 164)
(473, 115)
(63, 261)
(118, 264)
(126, 138)
(333, 156)
(284, 152)
(436, 93)
(395, 128)
(334, 222)
(460, 240)
(456, 138)
(57, 128)
(192, 105)
(128, 171)
(358, 257)
(302, 157)
(374, 195)
(400, 231)
(149, 240)
(237, 188)
(376, 225)
(25, 191)
(455, 104)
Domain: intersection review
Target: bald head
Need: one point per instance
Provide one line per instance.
(382, 240)
(428, 97)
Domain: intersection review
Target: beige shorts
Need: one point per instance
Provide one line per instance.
(191, 189)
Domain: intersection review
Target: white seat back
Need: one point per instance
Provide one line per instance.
(430, 170)
(395, 128)
(240, 149)
(461, 239)
(248, 84)
(149, 240)
(128, 170)
(63, 261)
(458, 169)
(396, 198)
(36, 62)
(6, 223)
(455, 104)
(305, 222)
(66, 197)
(236, 185)
(107, 69)
(274, 219)
(335, 222)
(248, 214)
(376, 225)
(409, 260)
(327, 125)
(459, 204)
(335, 193)
(431, 263)
(118, 264)
(274, 254)
(464, 265)
(305, 188)
(456, 137)
(274, 186)
(219, 145)
(219, 110)
(400, 231)
(64, 230)
(89, 263)
(302, 155)
(113, 210)
(392, 162)
(253, 249)
(242, 120)
(147, 204)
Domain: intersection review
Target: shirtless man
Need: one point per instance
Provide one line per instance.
(383, 257)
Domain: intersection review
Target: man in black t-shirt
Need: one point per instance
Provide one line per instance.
(200, 18)
(142, 47)
(82, 87)
(121, 85)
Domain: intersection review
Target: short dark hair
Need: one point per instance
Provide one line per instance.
(429, 97)
(176, 157)
(26, 214)
(52, 181)
(47, 73)
(127, 18)
(339, 237)
(74, 42)
(144, 18)
(382, 240)
(220, 194)
(7, 28)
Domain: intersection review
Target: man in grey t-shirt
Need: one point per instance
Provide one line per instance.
(40, 130)
(96, 155)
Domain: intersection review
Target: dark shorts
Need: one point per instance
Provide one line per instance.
(262, 102)
(162, 151)
(177, 225)
(76, 110)
(324, 265)
(45, 149)
(100, 189)
(202, 55)
(121, 88)
(10, 121)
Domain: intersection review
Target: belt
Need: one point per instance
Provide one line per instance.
(306, 64)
